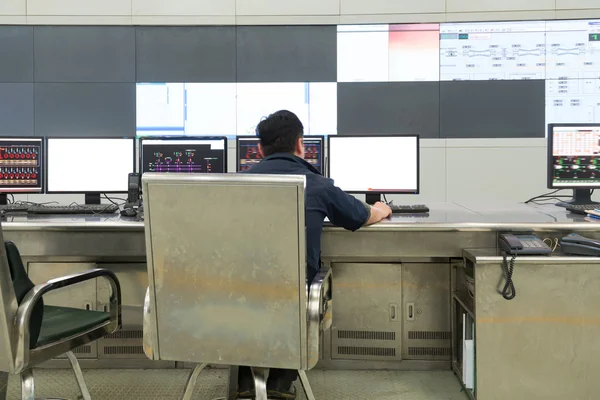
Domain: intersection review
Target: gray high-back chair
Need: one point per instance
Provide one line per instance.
(226, 269)
(32, 333)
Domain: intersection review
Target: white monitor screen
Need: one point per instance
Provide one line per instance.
(89, 165)
(379, 164)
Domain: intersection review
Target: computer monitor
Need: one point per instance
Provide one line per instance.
(574, 160)
(89, 165)
(374, 165)
(21, 166)
(248, 155)
(183, 154)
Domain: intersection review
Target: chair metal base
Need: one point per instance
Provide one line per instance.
(191, 382)
(260, 382)
(28, 386)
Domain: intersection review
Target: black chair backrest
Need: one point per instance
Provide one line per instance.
(22, 285)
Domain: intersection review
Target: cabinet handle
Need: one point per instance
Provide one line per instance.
(393, 312)
(410, 311)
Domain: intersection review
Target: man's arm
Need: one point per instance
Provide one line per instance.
(350, 213)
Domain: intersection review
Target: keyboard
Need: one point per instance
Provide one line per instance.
(580, 208)
(75, 209)
(409, 209)
(14, 207)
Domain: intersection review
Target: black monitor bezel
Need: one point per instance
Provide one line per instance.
(86, 138)
(42, 189)
(237, 148)
(418, 190)
(176, 138)
(549, 160)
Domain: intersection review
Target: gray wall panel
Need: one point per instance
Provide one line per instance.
(185, 54)
(286, 54)
(16, 109)
(84, 54)
(85, 109)
(16, 54)
(389, 108)
(492, 109)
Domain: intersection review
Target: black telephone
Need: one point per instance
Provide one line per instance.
(523, 244)
(579, 245)
(514, 245)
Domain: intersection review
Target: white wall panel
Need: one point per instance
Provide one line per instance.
(13, 19)
(287, 7)
(392, 6)
(287, 19)
(495, 5)
(171, 20)
(492, 174)
(578, 14)
(183, 7)
(78, 7)
(77, 20)
(352, 19)
(576, 4)
(500, 16)
(13, 7)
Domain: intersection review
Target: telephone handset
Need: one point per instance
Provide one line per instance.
(514, 245)
(523, 244)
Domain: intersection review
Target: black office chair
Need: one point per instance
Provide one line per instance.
(32, 333)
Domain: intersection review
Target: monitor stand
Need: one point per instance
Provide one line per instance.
(372, 198)
(580, 197)
(92, 198)
(3, 199)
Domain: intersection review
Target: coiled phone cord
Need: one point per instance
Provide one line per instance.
(509, 292)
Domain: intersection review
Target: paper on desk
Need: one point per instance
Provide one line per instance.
(468, 362)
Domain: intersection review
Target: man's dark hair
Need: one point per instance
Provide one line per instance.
(279, 132)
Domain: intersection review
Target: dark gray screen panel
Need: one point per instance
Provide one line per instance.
(84, 54)
(185, 54)
(389, 108)
(492, 109)
(16, 109)
(286, 54)
(16, 54)
(85, 109)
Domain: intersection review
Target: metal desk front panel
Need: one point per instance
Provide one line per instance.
(112, 241)
(544, 343)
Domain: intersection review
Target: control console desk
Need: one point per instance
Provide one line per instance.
(393, 282)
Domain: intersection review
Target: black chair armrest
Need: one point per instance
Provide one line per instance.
(26, 307)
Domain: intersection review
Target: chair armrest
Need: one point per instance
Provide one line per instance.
(319, 312)
(150, 348)
(26, 307)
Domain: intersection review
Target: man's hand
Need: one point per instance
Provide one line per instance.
(384, 208)
(379, 211)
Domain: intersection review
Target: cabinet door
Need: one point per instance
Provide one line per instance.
(126, 343)
(367, 320)
(81, 295)
(426, 305)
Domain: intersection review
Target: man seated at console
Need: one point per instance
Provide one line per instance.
(282, 148)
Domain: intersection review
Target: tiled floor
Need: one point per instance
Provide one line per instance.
(168, 385)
